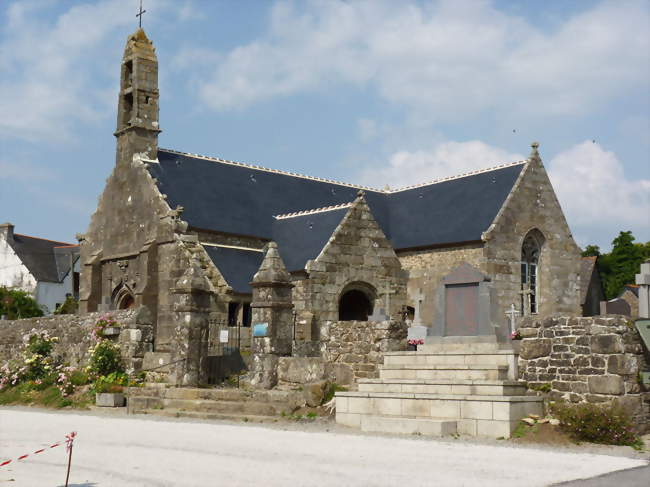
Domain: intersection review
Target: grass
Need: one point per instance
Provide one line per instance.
(332, 389)
(48, 396)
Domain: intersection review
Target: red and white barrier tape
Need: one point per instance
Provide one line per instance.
(69, 439)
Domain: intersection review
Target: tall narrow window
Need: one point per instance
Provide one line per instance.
(530, 251)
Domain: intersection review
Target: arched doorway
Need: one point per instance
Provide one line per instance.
(127, 302)
(356, 302)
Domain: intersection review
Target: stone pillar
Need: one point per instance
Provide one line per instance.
(272, 307)
(643, 280)
(189, 344)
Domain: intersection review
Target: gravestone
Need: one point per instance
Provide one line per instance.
(643, 280)
(465, 306)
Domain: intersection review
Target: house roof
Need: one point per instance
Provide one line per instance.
(45, 259)
(236, 198)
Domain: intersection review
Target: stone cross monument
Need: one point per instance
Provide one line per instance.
(643, 280)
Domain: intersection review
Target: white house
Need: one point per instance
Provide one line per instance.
(38, 266)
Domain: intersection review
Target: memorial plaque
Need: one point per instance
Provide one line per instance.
(461, 309)
(223, 336)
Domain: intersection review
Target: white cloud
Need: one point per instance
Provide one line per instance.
(445, 58)
(596, 196)
(445, 159)
(54, 67)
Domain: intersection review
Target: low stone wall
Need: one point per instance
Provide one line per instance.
(360, 345)
(74, 331)
(591, 359)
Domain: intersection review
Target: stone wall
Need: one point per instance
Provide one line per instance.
(74, 331)
(359, 346)
(426, 269)
(586, 359)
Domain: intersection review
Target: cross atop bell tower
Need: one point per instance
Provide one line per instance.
(137, 113)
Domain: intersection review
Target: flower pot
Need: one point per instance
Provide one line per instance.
(411, 348)
(110, 399)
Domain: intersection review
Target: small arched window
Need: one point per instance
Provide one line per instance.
(123, 297)
(356, 303)
(530, 252)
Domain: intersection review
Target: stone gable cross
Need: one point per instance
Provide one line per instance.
(139, 14)
(512, 314)
(526, 293)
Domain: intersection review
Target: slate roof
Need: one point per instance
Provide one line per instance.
(237, 266)
(240, 199)
(302, 237)
(44, 258)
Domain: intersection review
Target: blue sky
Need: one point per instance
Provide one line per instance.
(369, 92)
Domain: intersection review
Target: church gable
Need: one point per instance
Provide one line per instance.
(531, 241)
(357, 258)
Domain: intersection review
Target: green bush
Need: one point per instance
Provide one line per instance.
(114, 382)
(105, 359)
(607, 424)
(69, 307)
(16, 304)
(332, 389)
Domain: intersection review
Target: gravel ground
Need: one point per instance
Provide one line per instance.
(117, 450)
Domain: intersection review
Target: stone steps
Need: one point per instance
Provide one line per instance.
(219, 401)
(449, 385)
(437, 371)
(441, 386)
(180, 413)
(447, 358)
(405, 425)
(477, 415)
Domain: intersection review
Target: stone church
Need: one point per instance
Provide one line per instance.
(186, 236)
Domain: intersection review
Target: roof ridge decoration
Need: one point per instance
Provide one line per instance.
(458, 176)
(65, 244)
(313, 211)
(332, 181)
(276, 171)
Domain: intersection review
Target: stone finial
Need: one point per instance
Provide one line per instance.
(361, 193)
(7, 229)
(534, 153)
(272, 268)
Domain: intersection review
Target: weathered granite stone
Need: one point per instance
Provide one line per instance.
(606, 384)
(531, 349)
(607, 344)
(300, 370)
(622, 364)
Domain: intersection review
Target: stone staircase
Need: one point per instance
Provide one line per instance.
(212, 403)
(446, 387)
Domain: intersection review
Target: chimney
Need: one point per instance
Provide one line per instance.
(7, 231)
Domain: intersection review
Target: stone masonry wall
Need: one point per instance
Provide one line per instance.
(426, 269)
(356, 253)
(531, 205)
(74, 332)
(586, 359)
(359, 346)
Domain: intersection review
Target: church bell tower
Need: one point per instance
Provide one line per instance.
(137, 114)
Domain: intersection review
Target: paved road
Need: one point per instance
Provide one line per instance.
(635, 477)
(137, 451)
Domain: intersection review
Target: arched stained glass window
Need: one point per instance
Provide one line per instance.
(530, 251)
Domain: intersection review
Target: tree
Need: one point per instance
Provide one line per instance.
(591, 251)
(618, 267)
(16, 304)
